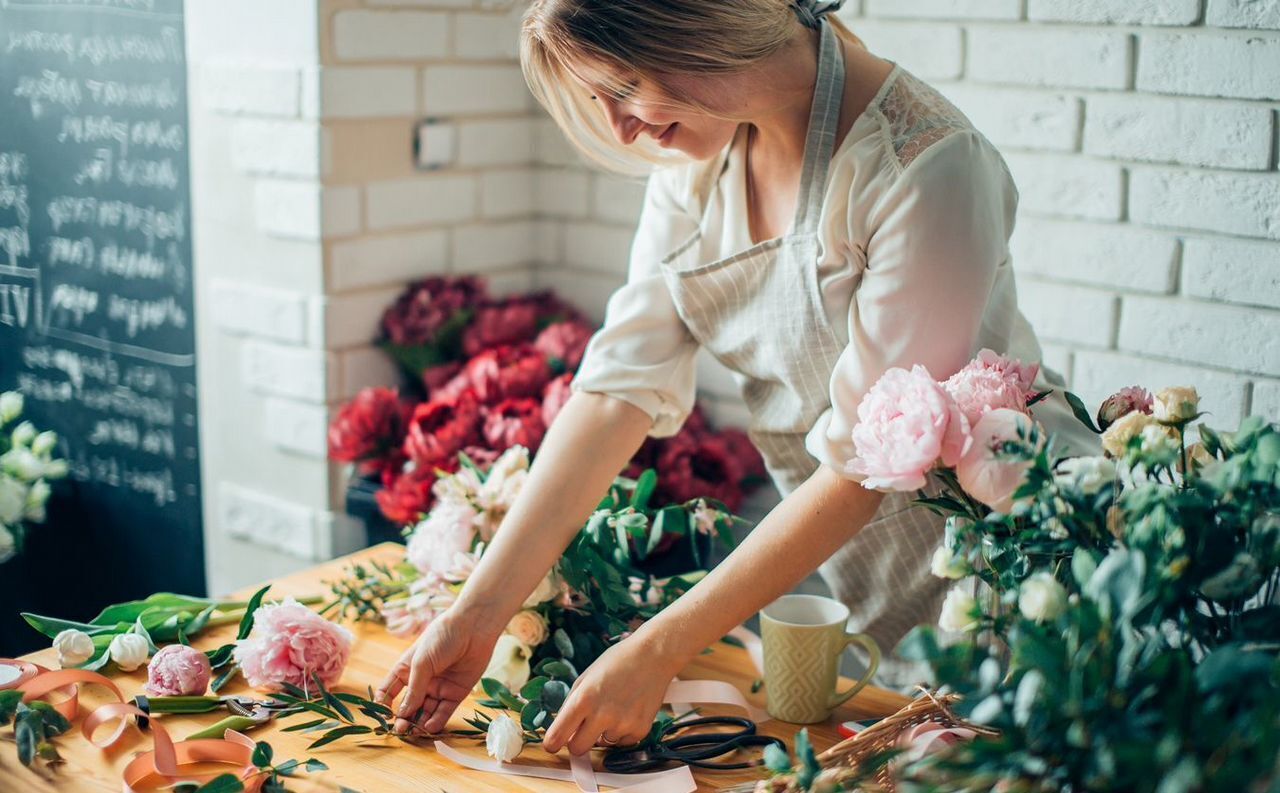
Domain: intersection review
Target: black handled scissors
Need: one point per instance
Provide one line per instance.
(696, 749)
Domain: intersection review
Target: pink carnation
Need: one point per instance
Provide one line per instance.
(178, 671)
(984, 471)
(907, 423)
(290, 643)
(990, 382)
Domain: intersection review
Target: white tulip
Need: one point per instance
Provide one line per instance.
(504, 740)
(44, 443)
(74, 647)
(13, 499)
(10, 406)
(959, 611)
(509, 663)
(23, 434)
(129, 651)
(8, 544)
(945, 564)
(1041, 598)
(1089, 474)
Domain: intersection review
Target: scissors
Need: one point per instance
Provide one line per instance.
(246, 712)
(696, 749)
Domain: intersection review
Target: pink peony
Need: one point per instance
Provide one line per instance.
(449, 530)
(290, 643)
(514, 422)
(907, 423)
(565, 342)
(989, 382)
(1127, 400)
(178, 671)
(555, 396)
(984, 471)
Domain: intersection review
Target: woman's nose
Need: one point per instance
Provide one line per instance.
(626, 127)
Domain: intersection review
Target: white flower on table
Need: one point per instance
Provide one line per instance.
(74, 647)
(129, 651)
(503, 740)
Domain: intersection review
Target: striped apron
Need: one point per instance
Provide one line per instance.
(760, 313)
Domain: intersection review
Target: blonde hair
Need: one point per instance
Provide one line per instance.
(647, 39)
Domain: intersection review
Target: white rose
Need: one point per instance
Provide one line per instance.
(8, 544)
(1041, 598)
(504, 740)
(129, 651)
(44, 442)
(13, 499)
(547, 589)
(37, 497)
(1158, 444)
(529, 627)
(23, 434)
(945, 564)
(959, 611)
(10, 406)
(1089, 474)
(509, 663)
(74, 647)
(1176, 405)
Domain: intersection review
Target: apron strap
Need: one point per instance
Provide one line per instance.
(820, 140)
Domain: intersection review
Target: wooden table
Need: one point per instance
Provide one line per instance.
(389, 765)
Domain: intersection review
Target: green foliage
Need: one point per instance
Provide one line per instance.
(35, 724)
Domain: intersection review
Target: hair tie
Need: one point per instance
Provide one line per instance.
(810, 12)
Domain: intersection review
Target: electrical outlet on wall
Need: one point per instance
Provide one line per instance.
(434, 144)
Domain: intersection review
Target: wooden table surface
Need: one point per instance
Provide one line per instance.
(384, 765)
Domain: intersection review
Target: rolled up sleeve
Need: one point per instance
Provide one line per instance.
(940, 235)
(644, 354)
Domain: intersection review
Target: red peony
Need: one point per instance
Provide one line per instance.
(435, 377)
(440, 428)
(696, 425)
(554, 397)
(408, 497)
(426, 306)
(505, 322)
(482, 456)
(507, 373)
(552, 309)
(746, 452)
(368, 427)
(514, 422)
(565, 342)
(701, 468)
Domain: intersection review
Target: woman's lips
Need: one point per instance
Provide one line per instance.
(665, 138)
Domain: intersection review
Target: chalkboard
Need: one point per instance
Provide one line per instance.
(96, 313)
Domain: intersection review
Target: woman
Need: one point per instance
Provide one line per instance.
(896, 254)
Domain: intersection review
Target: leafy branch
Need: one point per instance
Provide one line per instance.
(34, 725)
(274, 775)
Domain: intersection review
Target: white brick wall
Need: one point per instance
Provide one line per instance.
(1143, 137)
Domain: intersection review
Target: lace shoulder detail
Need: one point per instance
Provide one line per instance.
(917, 117)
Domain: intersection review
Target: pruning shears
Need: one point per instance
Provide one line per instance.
(246, 712)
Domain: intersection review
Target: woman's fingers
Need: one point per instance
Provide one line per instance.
(396, 678)
(564, 726)
(420, 674)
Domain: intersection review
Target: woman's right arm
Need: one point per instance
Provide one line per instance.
(590, 441)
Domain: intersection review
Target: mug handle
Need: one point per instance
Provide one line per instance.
(873, 654)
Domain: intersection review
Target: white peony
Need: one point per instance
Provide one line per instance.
(10, 406)
(945, 564)
(446, 532)
(74, 647)
(509, 663)
(503, 740)
(8, 544)
(959, 611)
(1089, 474)
(1041, 598)
(129, 651)
(13, 499)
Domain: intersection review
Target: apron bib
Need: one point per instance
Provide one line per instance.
(760, 313)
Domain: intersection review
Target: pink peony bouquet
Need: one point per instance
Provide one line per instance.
(289, 644)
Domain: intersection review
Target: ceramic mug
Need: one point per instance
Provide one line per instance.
(803, 637)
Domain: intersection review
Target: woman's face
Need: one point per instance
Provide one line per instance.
(643, 107)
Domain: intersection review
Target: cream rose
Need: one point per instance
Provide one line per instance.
(129, 651)
(529, 627)
(1115, 441)
(503, 740)
(959, 611)
(1041, 598)
(1176, 405)
(74, 647)
(945, 564)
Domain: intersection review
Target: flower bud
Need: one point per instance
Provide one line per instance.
(1126, 400)
(74, 647)
(23, 434)
(44, 443)
(129, 651)
(1176, 405)
(10, 406)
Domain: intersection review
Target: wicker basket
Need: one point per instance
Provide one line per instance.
(841, 762)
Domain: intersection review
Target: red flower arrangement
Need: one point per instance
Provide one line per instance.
(495, 373)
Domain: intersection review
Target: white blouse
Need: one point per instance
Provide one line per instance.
(915, 269)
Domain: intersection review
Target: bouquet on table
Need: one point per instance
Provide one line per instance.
(26, 468)
(1117, 621)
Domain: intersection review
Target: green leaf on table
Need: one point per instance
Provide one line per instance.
(510, 701)
(262, 754)
(533, 689)
(1081, 412)
(306, 725)
(221, 656)
(331, 700)
(142, 631)
(199, 621)
(342, 732)
(554, 693)
(223, 783)
(52, 626)
(28, 732)
(494, 688)
(54, 722)
(314, 766)
(246, 622)
(9, 701)
(529, 714)
(224, 678)
(162, 601)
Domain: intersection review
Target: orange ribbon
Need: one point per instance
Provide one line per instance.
(160, 767)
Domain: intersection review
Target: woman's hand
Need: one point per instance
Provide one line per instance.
(614, 701)
(437, 672)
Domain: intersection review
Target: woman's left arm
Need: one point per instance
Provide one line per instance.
(620, 693)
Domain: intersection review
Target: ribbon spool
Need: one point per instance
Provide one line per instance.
(13, 673)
